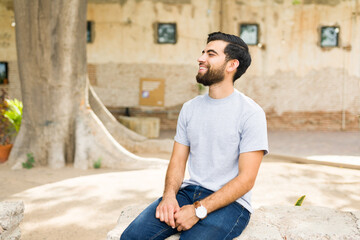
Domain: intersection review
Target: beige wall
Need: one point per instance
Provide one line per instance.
(291, 34)
(125, 32)
(293, 73)
(8, 47)
(118, 84)
(125, 49)
(7, 33)
(290, 75)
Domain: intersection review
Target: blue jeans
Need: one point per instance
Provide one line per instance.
(225, 223)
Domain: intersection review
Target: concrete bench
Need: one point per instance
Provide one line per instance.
(11, 214)
(279, 223)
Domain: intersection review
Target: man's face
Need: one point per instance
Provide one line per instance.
(212, 63)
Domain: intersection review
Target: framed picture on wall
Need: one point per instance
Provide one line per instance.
(4, 79)
(249, 33)
(329, 36)
(89, 31)
(166, 33)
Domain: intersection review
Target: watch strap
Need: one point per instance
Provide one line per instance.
(197, 204)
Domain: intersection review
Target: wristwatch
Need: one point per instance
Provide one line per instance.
(200, 210)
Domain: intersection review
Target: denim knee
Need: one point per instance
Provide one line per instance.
(126, 235)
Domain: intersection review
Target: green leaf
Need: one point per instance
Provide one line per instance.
(300, 200)
(14, 113)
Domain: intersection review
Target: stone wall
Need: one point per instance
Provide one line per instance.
(299, 84)
(293, 121)
(125, 31)
(8, 48)
(326, 99)
(11, 214)
(168, 116)
(7, 32)
(322, 121)
(118, 85)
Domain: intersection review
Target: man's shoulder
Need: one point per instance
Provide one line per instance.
(194, 101)
(247, 103)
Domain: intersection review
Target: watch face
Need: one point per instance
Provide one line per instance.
(201, 212)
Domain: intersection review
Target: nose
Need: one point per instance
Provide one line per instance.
(201, 59)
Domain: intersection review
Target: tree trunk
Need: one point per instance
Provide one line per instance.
(58, 126)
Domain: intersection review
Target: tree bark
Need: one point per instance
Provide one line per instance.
(58, 125)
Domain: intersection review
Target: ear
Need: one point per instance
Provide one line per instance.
(232, 65)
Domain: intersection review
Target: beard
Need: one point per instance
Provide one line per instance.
(211, 76)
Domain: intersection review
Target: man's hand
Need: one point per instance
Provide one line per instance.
(186, 218)
(166, 209)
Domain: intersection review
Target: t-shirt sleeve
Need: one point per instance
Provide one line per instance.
(253, 135)
(181, 133)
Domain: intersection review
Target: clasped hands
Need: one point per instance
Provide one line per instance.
(182, 219)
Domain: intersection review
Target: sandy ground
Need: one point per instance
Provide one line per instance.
(72, 204)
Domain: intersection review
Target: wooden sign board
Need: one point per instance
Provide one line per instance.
(152, 91)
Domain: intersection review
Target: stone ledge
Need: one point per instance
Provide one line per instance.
(145, 126)
(279, 223)
(11, 214)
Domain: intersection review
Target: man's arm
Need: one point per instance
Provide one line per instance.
(249, 164)
(174, 177)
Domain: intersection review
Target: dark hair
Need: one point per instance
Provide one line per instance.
(236, 49)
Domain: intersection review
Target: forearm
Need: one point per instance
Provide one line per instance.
(249, 164)
(228, 194)
(176, 170)
(186, 218)
(173, 180)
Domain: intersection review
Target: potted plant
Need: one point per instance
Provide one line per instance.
(10, 121)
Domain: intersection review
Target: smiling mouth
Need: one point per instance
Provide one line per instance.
(202, 68)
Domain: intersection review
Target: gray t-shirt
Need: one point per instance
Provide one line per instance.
(217, 131)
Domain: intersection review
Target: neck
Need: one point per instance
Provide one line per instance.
(221, 89)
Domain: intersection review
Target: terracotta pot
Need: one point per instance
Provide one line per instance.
(5, 152)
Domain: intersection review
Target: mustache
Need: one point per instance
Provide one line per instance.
(204, 65)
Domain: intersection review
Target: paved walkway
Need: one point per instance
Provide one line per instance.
(330, 148)
(340, 149)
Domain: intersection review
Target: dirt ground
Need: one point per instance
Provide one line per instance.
(73, 204)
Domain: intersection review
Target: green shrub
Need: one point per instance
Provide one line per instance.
(14, 113)
(97, 164)
(10, 118)
(30, 161)
(6, 130)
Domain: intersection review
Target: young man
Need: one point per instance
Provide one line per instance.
(225, 137)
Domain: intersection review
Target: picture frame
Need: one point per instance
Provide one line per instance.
(90, 32)
(166, 33)
(249, 33)
(4, 73)
(329, 36)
